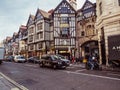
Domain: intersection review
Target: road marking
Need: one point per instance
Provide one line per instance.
(104, 77)
(15, 89)
(1, 77)
(80, 70)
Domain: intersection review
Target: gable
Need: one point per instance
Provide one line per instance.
(30, 20)
(87, 5)
(38, 16)
(88, 9)
(64, 8)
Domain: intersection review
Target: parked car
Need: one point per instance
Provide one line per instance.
(34, 59)
(64, 59)
(53, 61)
(9, 58)
(19, 58)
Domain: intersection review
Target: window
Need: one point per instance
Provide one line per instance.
(37, 36)
(30, 38)
(100, 8)
(64, 20)
(65, 32)
(31, 30)
(41, 34)
(31, 47)
(39, 26)
(64, 10)
(82, 33)
(40, 46)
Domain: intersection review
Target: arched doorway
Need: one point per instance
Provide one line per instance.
(90, 48)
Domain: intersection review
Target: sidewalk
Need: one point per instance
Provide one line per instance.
(104, 68)
(8, 84)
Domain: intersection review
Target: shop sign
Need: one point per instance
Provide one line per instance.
(114, 47)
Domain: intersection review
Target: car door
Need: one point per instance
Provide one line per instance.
(50, 61)
(46, 61)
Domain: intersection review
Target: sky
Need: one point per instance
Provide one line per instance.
(14, 13)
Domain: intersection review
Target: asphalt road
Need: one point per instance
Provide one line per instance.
(73, 78)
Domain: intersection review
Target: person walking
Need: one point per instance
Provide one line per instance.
(91, 62)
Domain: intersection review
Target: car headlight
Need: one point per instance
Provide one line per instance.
(59, 62)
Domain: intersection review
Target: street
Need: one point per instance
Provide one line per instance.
(73, 78)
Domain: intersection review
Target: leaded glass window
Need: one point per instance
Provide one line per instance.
(65, 32)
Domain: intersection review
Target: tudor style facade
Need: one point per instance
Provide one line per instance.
(87, 40)
(31, 35)
(39, 37)
(22, 42)
(64, 19)
(42, 32)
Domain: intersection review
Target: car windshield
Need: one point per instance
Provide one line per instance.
(61, 57)
(20, 57)
(54, 57)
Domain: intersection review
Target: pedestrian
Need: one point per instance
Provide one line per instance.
(73, 59)
(91, 62)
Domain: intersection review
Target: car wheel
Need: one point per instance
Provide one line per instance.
(54, 66)
(0, 62)
(41, 64)
(64, 67)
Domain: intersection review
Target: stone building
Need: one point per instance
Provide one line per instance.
(108, 24)
(86, 39)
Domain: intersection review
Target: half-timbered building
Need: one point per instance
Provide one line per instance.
(42, 35)
(31, 35)
(64, 28)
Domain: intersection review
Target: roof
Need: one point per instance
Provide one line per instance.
(23, 27)
(32, 16)
(51, 11)
(44, 13)
(65, 2)
(87, 1)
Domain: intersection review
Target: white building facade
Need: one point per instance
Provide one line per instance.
(107, 24)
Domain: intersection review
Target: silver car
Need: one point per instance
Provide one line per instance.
(19, 58)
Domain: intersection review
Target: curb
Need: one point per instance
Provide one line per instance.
(13, 82)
